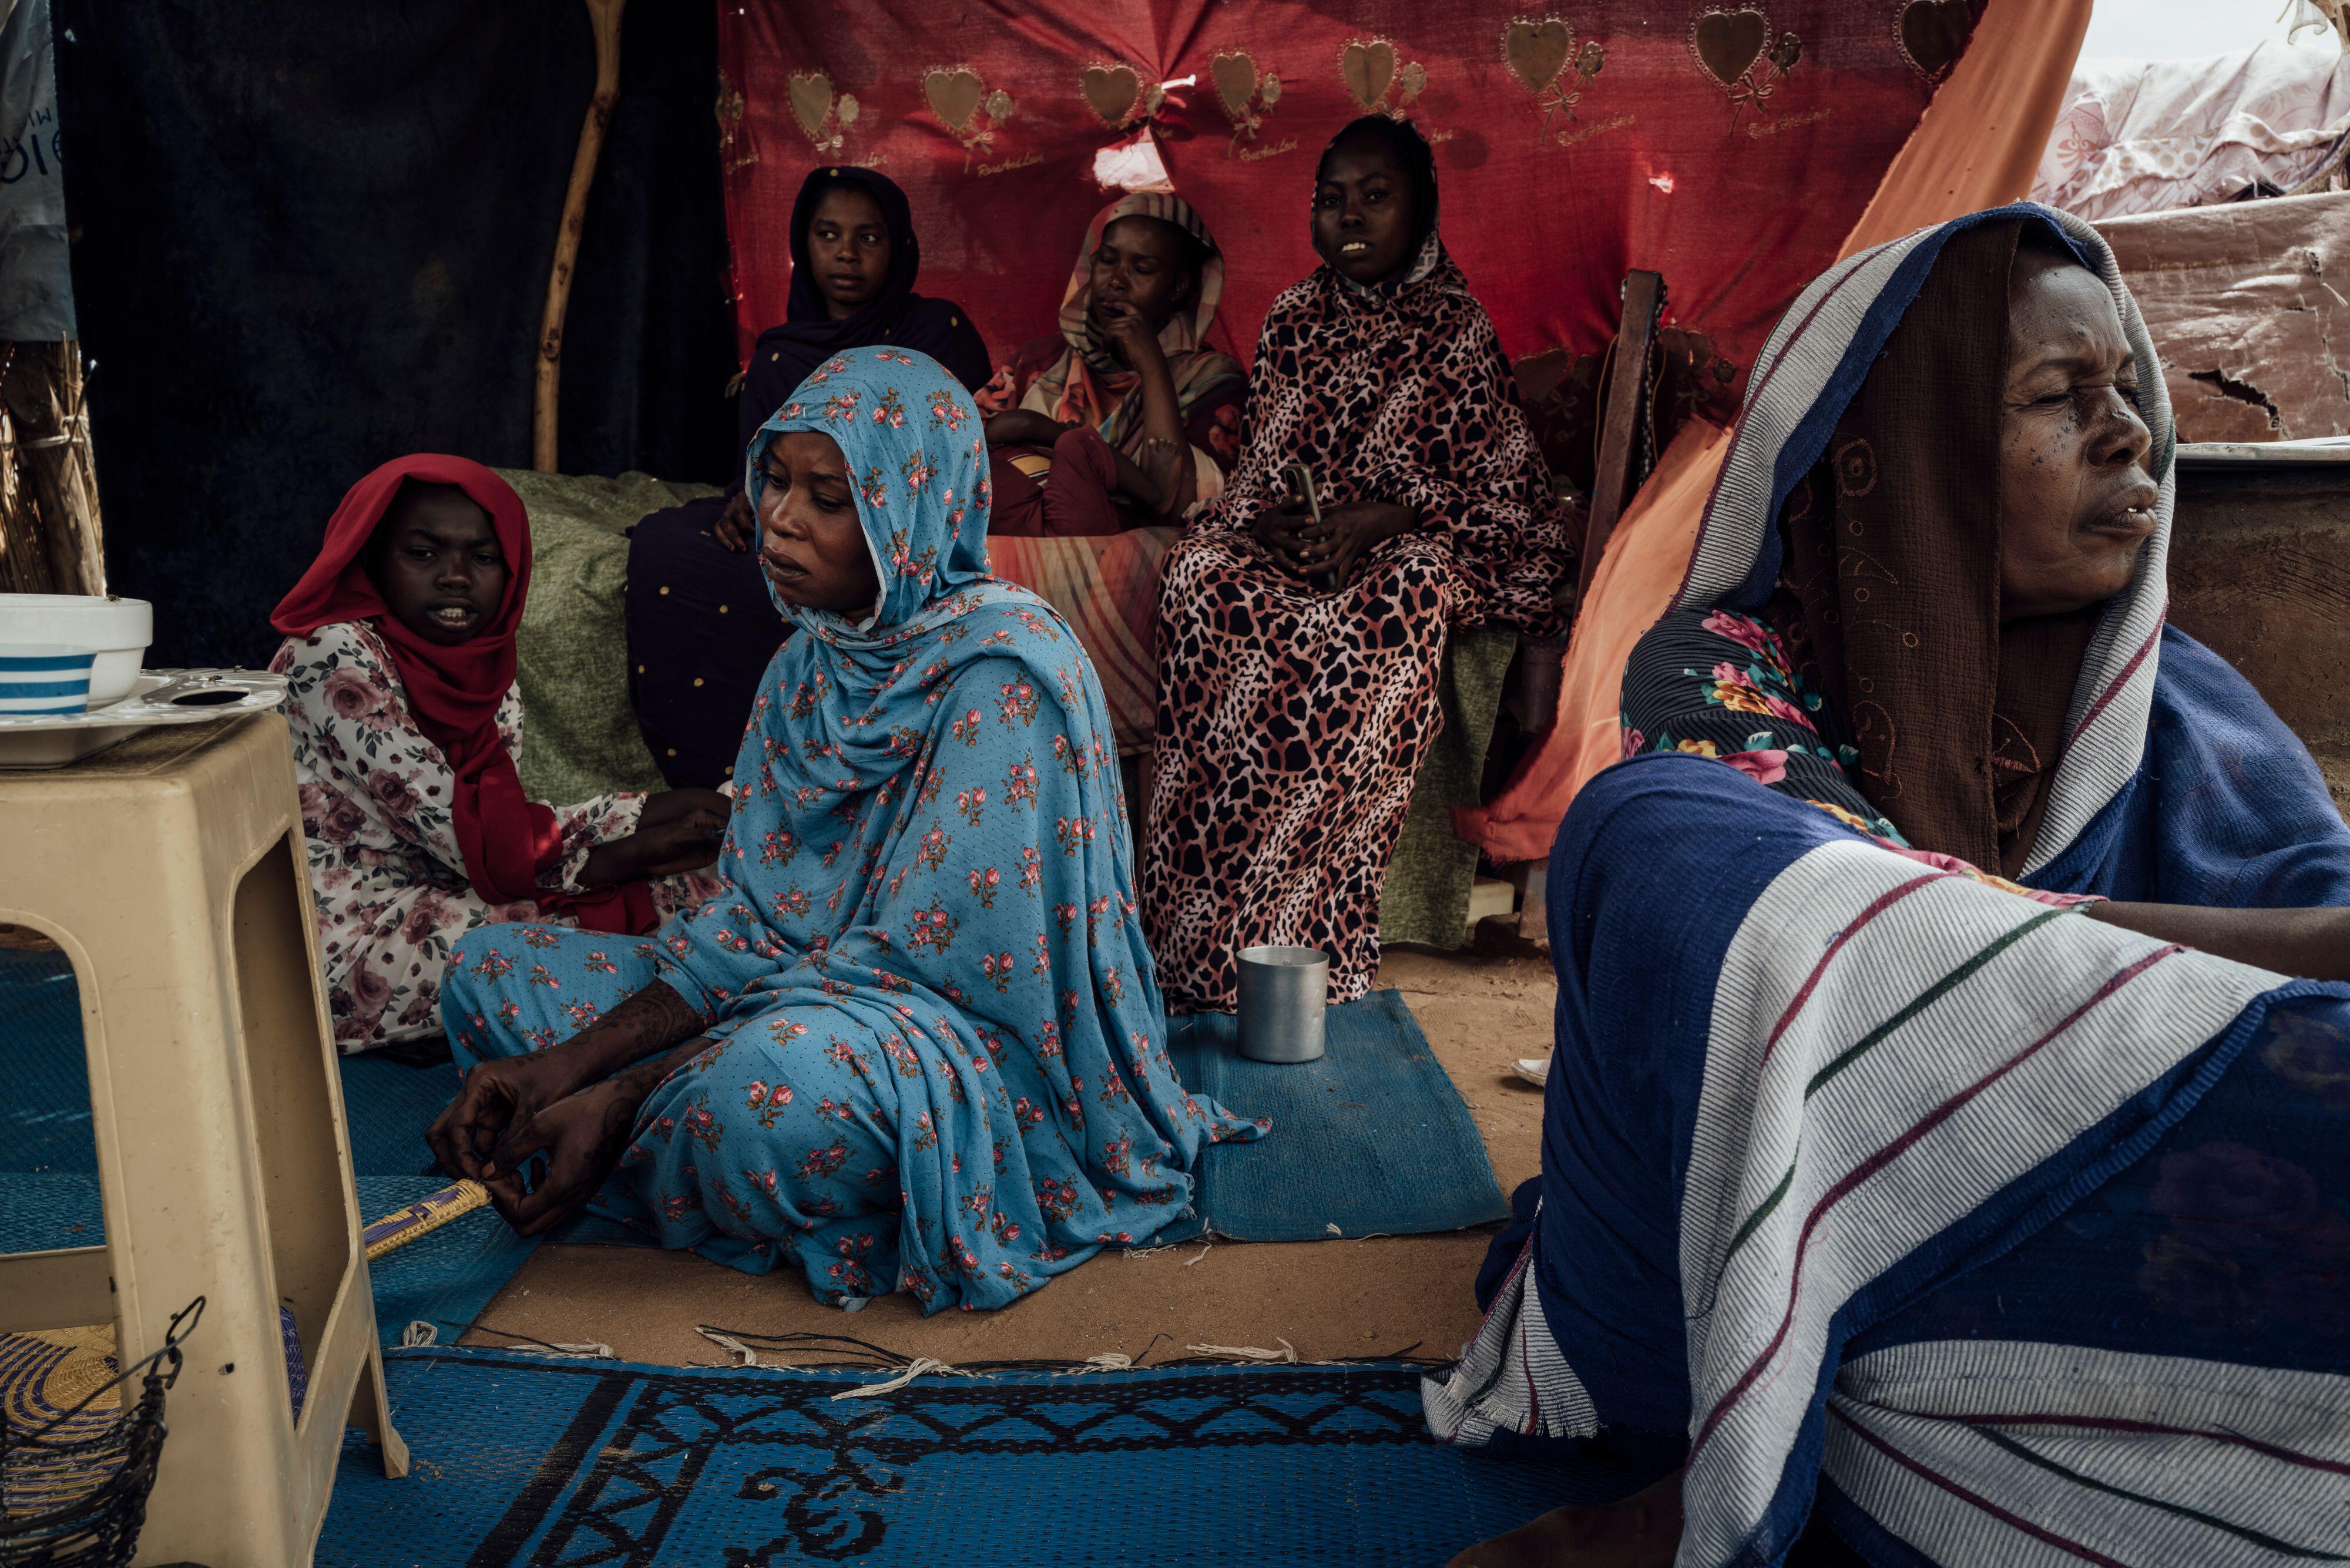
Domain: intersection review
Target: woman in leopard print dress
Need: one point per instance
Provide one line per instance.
(1298, 660)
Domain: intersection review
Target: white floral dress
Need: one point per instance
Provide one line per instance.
(385, 867)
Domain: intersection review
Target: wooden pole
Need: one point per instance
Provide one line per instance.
(1644, 297)
(24, 557)
(603, 16)
(41, 388)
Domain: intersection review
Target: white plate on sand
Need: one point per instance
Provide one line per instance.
(157, 697)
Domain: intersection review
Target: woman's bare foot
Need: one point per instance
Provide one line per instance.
(1642, 1531)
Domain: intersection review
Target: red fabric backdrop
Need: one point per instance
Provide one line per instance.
(1727, 145)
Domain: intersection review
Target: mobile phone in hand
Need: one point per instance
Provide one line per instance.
(1298, 479)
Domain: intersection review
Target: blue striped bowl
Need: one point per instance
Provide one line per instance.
(45, 678)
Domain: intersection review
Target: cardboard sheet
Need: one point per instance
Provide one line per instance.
(2249, 303)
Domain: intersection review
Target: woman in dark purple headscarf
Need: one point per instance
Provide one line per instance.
(700, 629)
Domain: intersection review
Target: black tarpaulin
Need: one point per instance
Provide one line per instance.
(311, 237)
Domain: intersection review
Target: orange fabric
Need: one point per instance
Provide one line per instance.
(1979, 143)
(1976, 146)
(1646, 557)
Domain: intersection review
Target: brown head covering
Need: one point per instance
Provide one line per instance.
(1890, 588)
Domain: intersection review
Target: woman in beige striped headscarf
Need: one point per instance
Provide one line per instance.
(1127, 418)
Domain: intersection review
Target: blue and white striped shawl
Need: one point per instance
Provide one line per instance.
(1801, 1080)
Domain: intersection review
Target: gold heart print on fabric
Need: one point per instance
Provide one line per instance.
(1536, 52)
(1368, 70)
(1727, 43)
(1932, 34)
(1235, 75)
(811, 96)
(954, 95)
(1541, 52)
(1736, 46)
(1246, 94)
(731, 104)
(1113, 92)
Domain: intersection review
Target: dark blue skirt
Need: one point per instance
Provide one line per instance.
(701, 632)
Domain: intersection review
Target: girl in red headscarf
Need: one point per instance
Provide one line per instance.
(399, 659)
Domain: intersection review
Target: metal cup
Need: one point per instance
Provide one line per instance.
(1282, 993)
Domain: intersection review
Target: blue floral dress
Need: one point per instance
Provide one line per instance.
(937, 1050)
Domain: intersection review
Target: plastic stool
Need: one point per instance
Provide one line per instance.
(170, 870)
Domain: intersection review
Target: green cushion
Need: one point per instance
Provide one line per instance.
(579, 737)
(1432, 873)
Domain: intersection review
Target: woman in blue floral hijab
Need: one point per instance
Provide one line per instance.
(918, 1040)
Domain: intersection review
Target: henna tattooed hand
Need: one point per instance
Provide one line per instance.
(501, 1096)
(573, 1145)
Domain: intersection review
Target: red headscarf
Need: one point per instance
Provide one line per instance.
(454, 691)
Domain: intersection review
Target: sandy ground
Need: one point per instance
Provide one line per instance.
(1328, 1298)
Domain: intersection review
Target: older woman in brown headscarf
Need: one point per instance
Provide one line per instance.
(1934, 666)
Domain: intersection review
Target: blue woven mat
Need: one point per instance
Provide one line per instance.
(49, 1158)
(47, 1106)
(1371, 1139)
(545, 1463)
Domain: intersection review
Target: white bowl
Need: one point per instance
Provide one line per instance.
(119, 628)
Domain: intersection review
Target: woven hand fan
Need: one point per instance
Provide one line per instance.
(427, 1214)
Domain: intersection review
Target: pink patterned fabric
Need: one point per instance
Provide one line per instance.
(1107, 589)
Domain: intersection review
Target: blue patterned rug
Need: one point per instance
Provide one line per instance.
(549, 1464)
